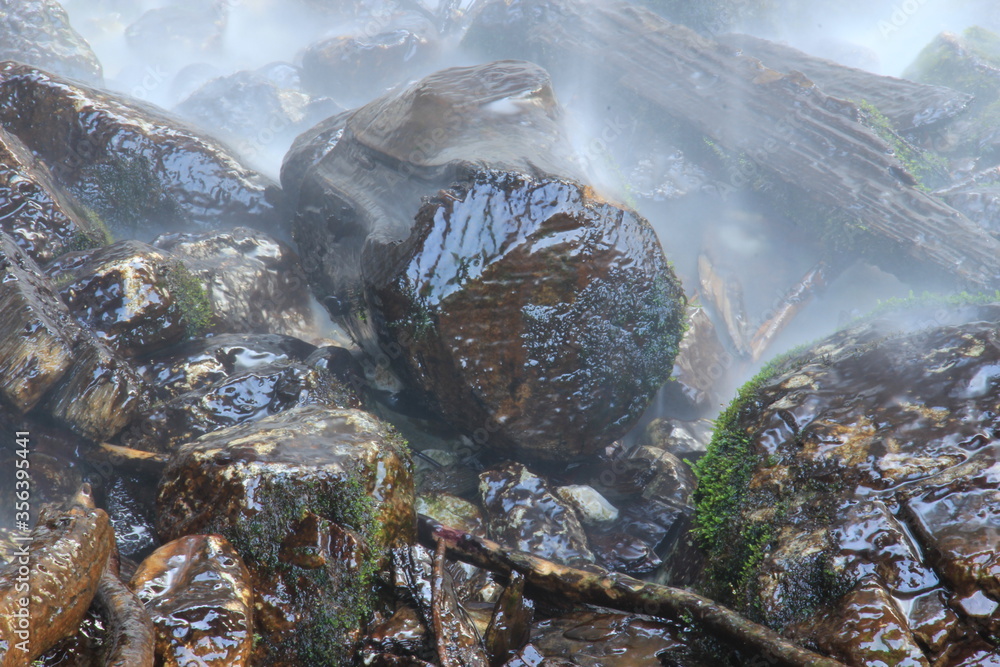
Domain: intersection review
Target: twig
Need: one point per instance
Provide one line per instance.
(618, 591)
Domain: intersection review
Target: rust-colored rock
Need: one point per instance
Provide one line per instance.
(198, 593)
(48, 586)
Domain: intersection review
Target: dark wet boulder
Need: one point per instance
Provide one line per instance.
(129, 293)
(38, 32)
(525, 515)
(311, 499)
(100, 395)
(256, 110)
(199, 596)
(133, 165)
(38, 214)
(244, 396)
(356, 68)
(850, 493)
(252, 282)
(48, 355)
(445, 232)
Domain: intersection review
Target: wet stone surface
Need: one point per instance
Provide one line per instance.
(245, 396)
(570, 356)
(252, 281)
(38, 32)
(524, 514)
(134, 165)
(198, 593)
(868, 521)
(123, 293)
(311, 499)
(44, 220)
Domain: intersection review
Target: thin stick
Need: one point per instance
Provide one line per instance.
(621, 592)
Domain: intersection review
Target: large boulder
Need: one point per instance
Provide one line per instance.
(851, 497)
(132, 164)
(447, 231)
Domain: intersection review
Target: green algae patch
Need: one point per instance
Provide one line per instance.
(929, 170)
(191, 298)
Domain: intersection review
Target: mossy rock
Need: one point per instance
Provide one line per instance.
(820, 467)
(312, 499)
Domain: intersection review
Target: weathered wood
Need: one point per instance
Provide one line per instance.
(618, 591)
(780, 124)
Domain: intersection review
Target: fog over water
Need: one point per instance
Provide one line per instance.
(740, 232)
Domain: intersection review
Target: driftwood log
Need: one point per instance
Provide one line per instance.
(780, 125)
(621, 592)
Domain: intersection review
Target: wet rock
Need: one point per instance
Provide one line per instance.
(48, 354)
(404, 634)
(525, 515)
(308, 149)
(479, 215)
(44, 220)
(38, 32)
(253, 109)
(253, 282)
(969, 62)
(591, 507)
(781, 123)
(866, 628)
(125, 293)
(200, 362)
(63, 562)
(184, 25)
(198, 593)
(100, 395)
(452, 511)
(311, 499)
(607, 639)
(357, 68)
(134, 165)
(870, 457)
(702, 360)
(38, 336)
(908, 105)
(684, 440)
(242, 397)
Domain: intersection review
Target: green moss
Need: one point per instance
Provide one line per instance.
(947, 63)
(928, 300)
(928, 169)
(191, 299)
(336, 606)
(734, 548)
(125, 192)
